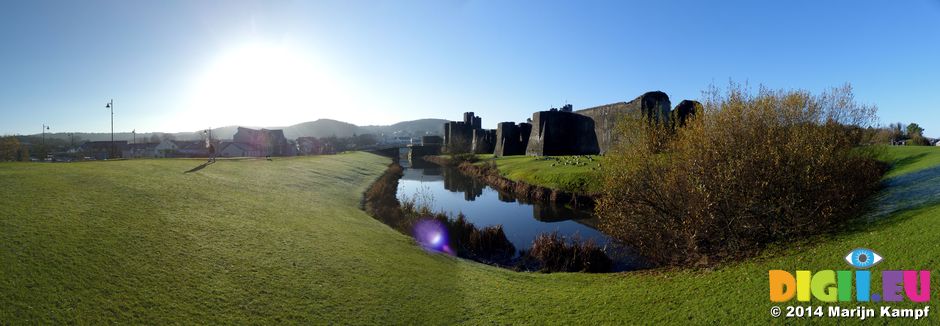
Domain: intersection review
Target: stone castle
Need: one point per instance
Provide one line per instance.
(459, 135)
(562, 131)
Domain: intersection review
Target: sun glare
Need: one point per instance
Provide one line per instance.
(261, 85)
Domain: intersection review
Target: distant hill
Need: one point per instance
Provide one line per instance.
(319, 128)
(412, 128)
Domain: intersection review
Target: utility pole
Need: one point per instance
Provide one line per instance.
(110, 105)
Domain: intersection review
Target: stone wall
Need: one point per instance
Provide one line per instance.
(562, 133)
(654, 106)
(415, 153)
(484, 141)
(685, 110)
(431, 140)
(512, 139)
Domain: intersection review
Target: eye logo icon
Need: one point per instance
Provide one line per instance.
(863, 258)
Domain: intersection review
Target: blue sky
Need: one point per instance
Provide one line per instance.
(188, 65)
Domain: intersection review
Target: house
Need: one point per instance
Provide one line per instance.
(397, 141)
(269, 142)
(101, 150)
(141, 150)
(232, 149)
(181, 148)
(313, 146)
(166, 148)
(195, 148)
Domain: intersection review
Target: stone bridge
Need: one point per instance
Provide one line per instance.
(406, 151)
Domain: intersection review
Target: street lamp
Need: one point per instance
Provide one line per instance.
(44, 128)
(110, 105)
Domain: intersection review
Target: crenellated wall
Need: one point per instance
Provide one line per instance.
(484, 141)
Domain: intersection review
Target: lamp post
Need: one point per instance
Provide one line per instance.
(110, 105)
(44, 128)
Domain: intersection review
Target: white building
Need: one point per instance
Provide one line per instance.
(231, 149)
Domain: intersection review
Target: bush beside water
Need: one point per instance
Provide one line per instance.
(555, 254)
(745, 171)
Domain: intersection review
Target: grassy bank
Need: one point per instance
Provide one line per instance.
(907, 159)
(256, 241)
(574, 174)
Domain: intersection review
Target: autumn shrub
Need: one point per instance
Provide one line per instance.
(9, 148)
(488, 244)
(379, 199)
(918, 140)
(491, 242)
(747, 170)
(554, 253)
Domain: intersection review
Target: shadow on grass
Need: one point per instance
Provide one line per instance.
(905, 192)
(200, 167)
(904, 162)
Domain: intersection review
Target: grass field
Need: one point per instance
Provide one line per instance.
(576, 174)
(906, 159)
(255, 241)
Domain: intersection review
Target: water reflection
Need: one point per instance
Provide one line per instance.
(448, 190)
(555, 213)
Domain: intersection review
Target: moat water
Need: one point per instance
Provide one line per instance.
(446, 189)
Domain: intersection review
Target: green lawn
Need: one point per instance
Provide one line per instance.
(577, 174)
(907, 159)
(255, 241)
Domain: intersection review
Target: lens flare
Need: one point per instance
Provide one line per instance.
(432, 235)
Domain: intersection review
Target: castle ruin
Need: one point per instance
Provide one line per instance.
(484, 141)
(654, 106)
(563, 131)
(557, 132)
(458, 135)
(512, 138)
